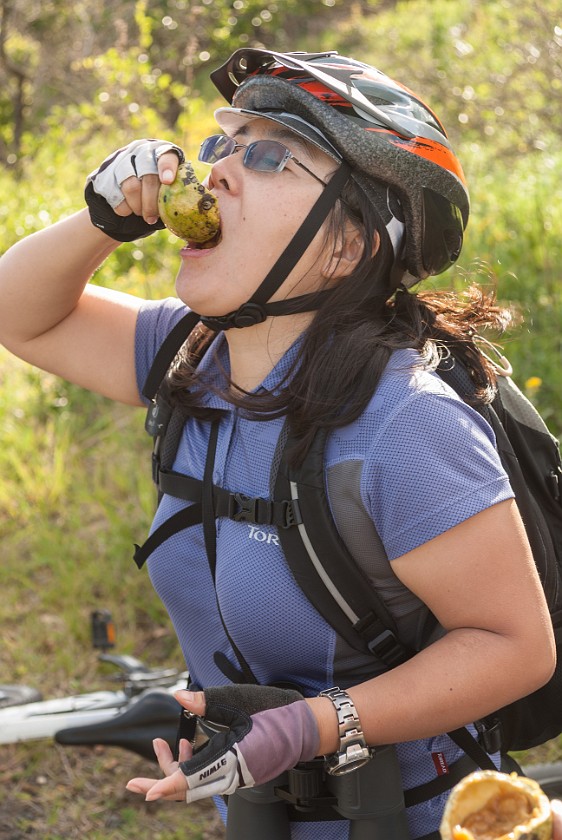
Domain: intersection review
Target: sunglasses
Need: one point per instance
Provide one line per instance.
(261, 156)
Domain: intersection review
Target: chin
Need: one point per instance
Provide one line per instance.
(206, 302)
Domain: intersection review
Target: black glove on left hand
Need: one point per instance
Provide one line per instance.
(103, 188)
(261, 733)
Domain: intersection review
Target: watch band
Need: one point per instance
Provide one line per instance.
(353, 752)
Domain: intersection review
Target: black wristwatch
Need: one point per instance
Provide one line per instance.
(353, 752)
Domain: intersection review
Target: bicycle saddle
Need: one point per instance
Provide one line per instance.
(155, 714)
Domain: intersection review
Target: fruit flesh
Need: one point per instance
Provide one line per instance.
(488, 805)
(501, 814)
(187, 208)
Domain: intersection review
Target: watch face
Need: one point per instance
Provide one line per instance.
(340, 763)
(348, 766)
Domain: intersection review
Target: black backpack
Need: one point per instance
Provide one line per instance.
(322, 564)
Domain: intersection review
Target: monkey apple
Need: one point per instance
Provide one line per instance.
(187, 208)
(487, 805)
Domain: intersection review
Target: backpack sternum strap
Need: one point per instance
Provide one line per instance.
(242, 508)
(236, 506)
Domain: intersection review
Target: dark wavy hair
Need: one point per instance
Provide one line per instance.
(359, 323)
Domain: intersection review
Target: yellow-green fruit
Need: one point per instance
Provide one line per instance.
(487, 805)
(187, 208)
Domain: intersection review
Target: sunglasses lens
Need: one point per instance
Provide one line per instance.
(265, 156)
(215, 148)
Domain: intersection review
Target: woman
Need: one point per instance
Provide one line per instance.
(339, 187)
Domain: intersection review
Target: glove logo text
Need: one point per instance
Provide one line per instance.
(213, 769)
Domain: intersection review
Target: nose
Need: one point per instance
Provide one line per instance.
(225, 173)
(215, 180)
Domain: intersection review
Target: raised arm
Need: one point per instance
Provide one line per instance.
(54, 318)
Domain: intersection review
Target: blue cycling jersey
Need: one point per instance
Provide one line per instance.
(416, 463)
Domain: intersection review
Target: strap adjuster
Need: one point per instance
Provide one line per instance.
(490, 734)
(291, 514)
(384, 645)
(157, 417)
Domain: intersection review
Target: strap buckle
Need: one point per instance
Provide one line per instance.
(243, 508)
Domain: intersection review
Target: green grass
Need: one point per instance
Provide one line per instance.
(77, 496)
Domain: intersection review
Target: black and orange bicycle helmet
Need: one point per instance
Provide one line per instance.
(382, 129)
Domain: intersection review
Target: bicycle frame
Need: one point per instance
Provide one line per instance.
(44, 718)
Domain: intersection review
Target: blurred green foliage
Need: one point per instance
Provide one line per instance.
(78, 81)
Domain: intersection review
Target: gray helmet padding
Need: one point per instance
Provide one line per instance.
(370, 153)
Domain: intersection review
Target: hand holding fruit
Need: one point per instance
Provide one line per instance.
(122, 193)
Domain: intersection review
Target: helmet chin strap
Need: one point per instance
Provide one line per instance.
(257, 309)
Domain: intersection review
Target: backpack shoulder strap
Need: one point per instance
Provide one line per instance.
(323, 566)
(167, 352)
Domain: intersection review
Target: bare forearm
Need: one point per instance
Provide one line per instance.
(460, 678)
(43, 276)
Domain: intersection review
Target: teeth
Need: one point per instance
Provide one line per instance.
(187, 208)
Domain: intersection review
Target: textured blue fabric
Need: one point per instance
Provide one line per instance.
(429, 463)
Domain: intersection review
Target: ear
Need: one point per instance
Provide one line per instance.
(347, 253)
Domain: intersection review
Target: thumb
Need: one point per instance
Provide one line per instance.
(193, 701)
(171, 787)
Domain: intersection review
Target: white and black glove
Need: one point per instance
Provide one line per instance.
(268, 730)
(103, 187)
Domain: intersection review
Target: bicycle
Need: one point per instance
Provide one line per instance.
(131, 716)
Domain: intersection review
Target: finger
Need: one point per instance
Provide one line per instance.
(172, 787)
(122, 209)
(132, 191)
(193, 701)
(139, 785)
(168, 166)
(164, 755)
(144, 786)
(185, 751)
(150, 187)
